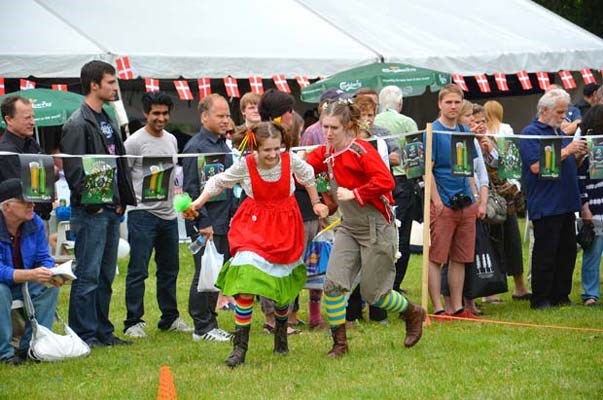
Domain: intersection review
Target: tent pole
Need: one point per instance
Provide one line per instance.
(426, 219)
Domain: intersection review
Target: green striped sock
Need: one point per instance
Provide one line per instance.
(335, 309)
(393, 301)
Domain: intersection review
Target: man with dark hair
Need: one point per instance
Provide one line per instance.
(24, 257)
(90, 130)
(588, 99)
(152, 224)
(18, 114)
(214, 218)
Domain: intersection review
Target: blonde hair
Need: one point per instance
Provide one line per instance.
(494, 114)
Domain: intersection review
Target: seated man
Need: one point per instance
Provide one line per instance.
(24, 257)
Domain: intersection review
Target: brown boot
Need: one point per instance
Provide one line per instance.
(414, 316)
(280, 337)
(340, 342)
(241, 342)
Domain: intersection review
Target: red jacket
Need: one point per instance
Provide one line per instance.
(358, 168)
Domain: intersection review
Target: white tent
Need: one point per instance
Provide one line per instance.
(203, 38)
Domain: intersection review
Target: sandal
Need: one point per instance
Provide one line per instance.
(269, 328)
(590, 302)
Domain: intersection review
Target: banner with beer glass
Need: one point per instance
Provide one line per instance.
(413, 156)
(509, 160)
(208, 166)
(99, 180)
(157, 173)
(37, 175)
(462, 155)
(595, 162)
(550, 158)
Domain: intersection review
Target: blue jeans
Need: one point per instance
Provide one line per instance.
(45, 303)
(96, 241)
(591, 266)
(145, 233)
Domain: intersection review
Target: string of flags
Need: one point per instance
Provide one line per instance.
(126, 72)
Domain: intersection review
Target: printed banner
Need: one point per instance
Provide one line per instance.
(37, 175)
(509, 160)
(208, 166)
(99, 180)
(157, 172)
(413, 156)
(595, 167)
(461, 158)
(550, 158)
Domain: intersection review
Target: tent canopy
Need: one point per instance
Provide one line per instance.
(203, 38)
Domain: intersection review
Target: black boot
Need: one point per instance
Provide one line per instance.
(280, 337)
(241, 342)
(340, 341)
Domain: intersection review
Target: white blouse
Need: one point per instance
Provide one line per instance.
(239, 173)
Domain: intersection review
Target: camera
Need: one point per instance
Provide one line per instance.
(459, 201)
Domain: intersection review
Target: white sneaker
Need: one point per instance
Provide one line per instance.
(136, 331)
(180, 326)
(224, 333)
(212, 336)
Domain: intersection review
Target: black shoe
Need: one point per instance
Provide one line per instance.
(95, 343)
(13, 360)
(541, 306)
(115, 341)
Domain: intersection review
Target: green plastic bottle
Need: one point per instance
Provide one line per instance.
(42, 178)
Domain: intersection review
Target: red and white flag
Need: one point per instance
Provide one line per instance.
(524, 80)
(281, 83)
(588, 76)
(256, 84)
(2, 89)
(501, 81)
(303, 81)
(151, 85)
(567, 79)
(543, 80)
(24, 84)
(184, 91)
(124, 70)
(482, 82)
(460, 82)
(232, 87)
(204, 87)
(61, 87)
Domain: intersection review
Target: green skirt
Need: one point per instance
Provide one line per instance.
(248, 279)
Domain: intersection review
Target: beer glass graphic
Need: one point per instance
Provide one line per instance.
(460, 150)
(34, 172)
(153, 184)
(548, 157)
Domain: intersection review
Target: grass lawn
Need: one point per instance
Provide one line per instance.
(463, 360)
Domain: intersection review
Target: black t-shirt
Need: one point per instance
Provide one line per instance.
(107, 129)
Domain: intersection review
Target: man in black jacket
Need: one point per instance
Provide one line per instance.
(90, 130)
(214, 217)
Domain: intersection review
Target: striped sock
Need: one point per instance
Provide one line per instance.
(335, 309)
(393, 301)
(243, 310)
(281, 313)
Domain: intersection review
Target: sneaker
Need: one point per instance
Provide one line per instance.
(215, 335)
(12, 360)
(136, 330)
(224, 333)
(180, 326)
(465, 314)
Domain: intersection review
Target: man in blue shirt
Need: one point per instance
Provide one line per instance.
(552, 203)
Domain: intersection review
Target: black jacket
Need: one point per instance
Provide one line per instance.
(82, 135)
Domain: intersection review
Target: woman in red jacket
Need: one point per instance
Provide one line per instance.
(365, 242)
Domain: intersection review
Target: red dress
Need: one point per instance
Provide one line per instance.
(269, 224)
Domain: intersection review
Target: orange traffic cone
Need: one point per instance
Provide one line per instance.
(167, 389)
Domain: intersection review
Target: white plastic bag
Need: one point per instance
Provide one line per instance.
(211, 264)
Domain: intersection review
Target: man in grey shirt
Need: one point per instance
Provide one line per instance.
(152, 223)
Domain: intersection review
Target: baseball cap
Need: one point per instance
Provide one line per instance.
(11, 189)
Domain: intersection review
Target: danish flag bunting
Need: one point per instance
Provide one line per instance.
(281, 83)
(184, 91)
(567, 79)
(543, 80)
(61, 87)
(524, 80)
(2, 90)
(482, 82)
(24, 84)
(460, 82)
(501, 81)
(303, 81)
(204, 87)
(588, 76)
(124, 70)
(151, 85)
(256, 84)
(232, 87)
